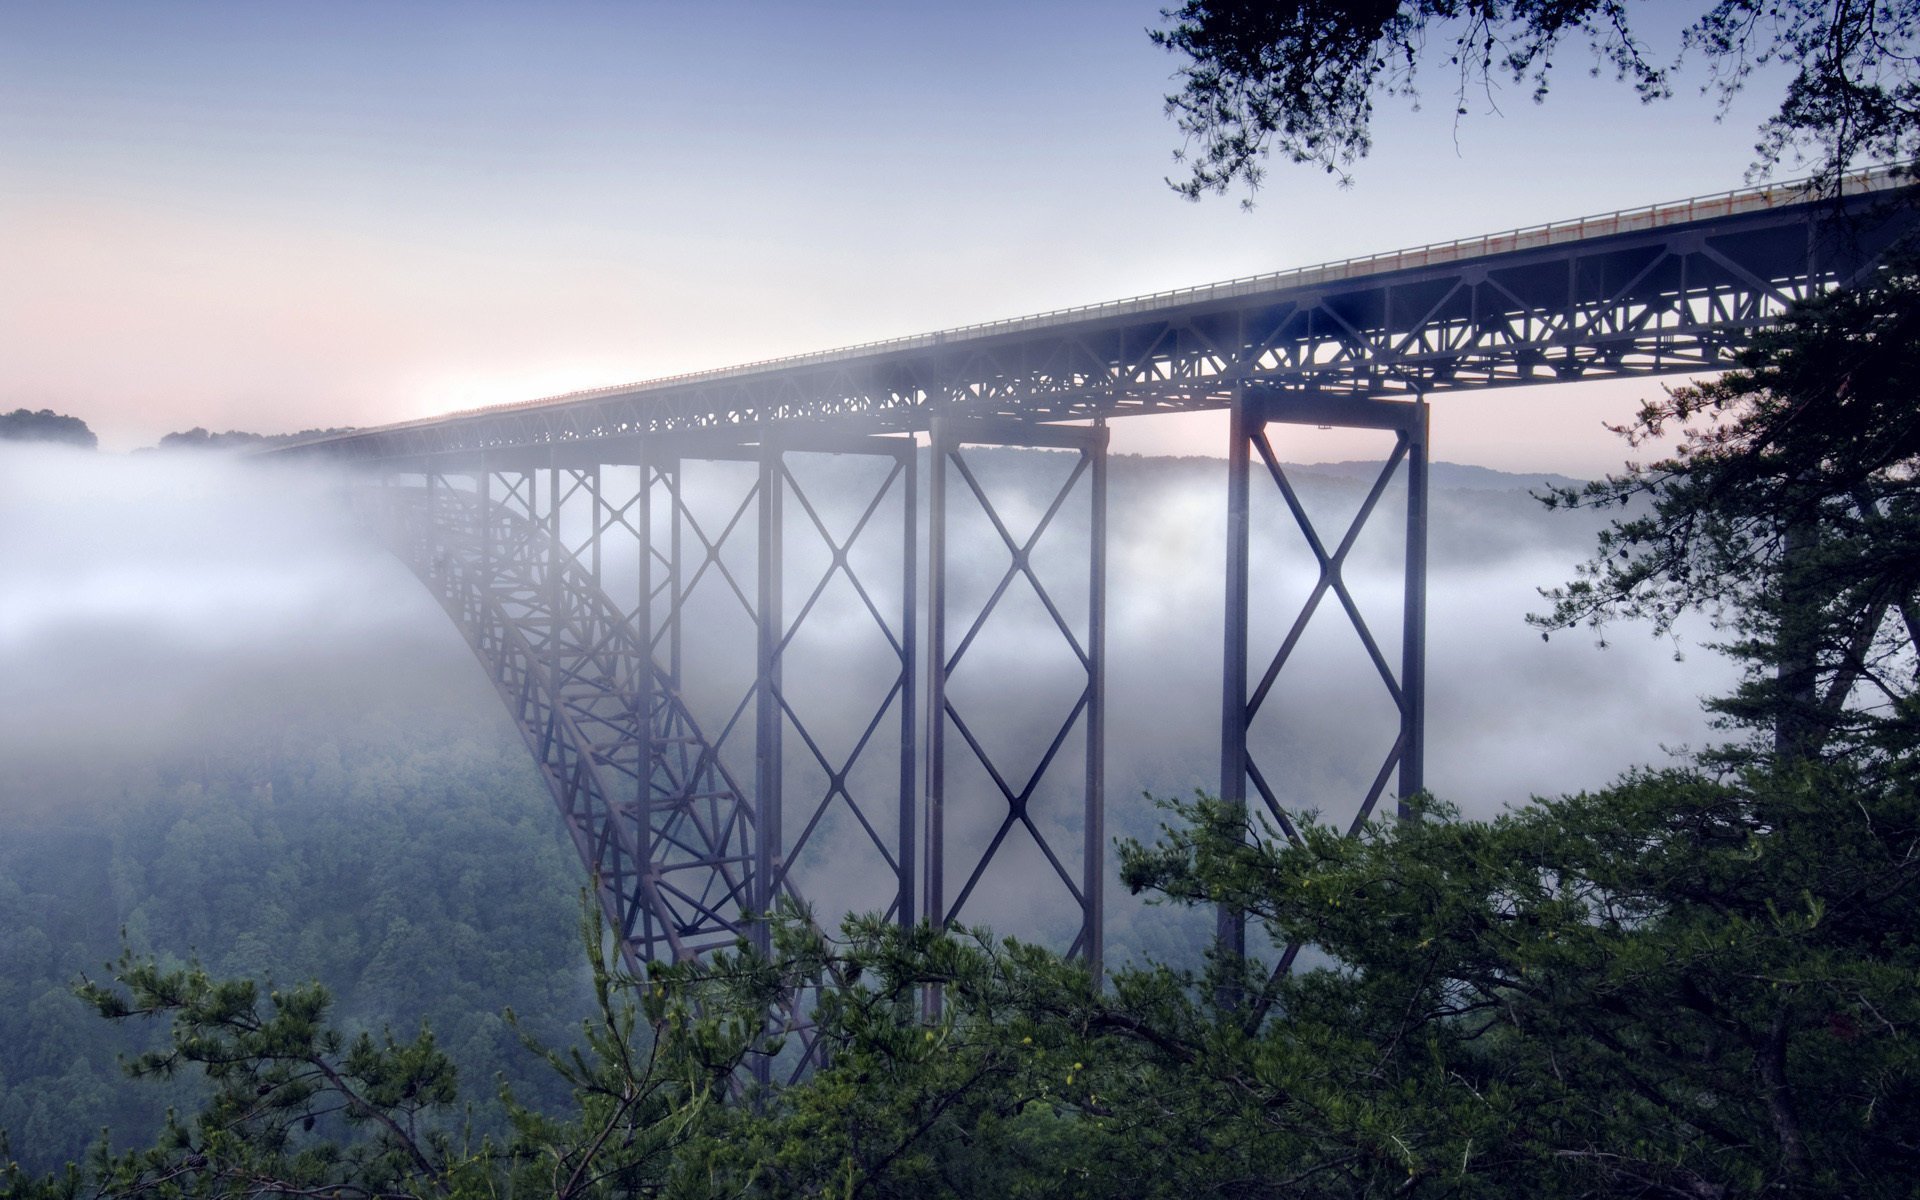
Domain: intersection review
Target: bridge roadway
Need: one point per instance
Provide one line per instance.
(1661, 289)
(516, 517)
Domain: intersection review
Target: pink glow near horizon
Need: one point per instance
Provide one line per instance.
(231, 216)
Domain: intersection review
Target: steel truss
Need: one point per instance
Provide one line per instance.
(1253, 410)
(781, 514)
(684, 858)
(946, 655)
(517, 529)
(1679, 290)
(661, 827)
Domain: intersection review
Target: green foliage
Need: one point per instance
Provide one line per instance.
(287, 1092)
(293, 1104)
(1681, 985)
(1789, 513)
(1299, 79)
(650, 1072)
(411, 867)
(976, 1096)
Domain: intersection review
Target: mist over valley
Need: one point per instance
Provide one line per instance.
(240, 730)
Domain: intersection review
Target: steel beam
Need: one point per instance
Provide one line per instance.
(1230, 922)
(945, 655)
(1677, 288)
(656, 820)
(1405, 682)
(770, 774)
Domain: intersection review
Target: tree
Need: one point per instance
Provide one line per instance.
(1676, 986)
(24, 425)
(1789, 512)
(198, 438)
(294, 1106)
(1299, 78)
(1679, 986)
(277, 1073)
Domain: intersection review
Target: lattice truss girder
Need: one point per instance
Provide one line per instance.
(1406, 464)
(1010, 799)
(792, 720)
(1680, 298)
(776, 515)
(1248, 682)
(683, 856)
(664, 831)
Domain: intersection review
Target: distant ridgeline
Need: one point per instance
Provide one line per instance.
(1446, 475)
(45, 425)
(234, 439)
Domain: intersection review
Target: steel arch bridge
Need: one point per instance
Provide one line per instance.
(573, 543)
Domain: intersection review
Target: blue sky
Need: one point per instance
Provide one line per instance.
(278, 215)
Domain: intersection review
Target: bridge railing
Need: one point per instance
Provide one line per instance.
(1653, 216)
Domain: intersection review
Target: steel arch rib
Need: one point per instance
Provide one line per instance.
(670, 852)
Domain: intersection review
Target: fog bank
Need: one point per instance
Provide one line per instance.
(154, 604)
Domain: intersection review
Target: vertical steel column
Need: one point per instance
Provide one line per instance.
(647, 694)
(438, 562)
(1230, 924)
(660, 466)
(556, 600)
(593, 506)
(1094, 851)
(486, 536)
(643, 600)
(1090, 445)
(935, 905)
(1413, 645)
(769, 772)
(909, 622)
(769, 769)
(676, 569)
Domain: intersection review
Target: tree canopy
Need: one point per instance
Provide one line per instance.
(1299, 80)
(199, 438)
(1677, 986)
(45, 425)
(1788, 512)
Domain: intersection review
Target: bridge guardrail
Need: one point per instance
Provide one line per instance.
(1652, 216)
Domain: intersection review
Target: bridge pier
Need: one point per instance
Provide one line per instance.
(1254, 408)
(1087, 644)
(687, 858)
(798, 555)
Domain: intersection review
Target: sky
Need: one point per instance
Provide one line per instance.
(275, 216)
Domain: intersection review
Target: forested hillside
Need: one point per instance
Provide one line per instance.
(408, 864)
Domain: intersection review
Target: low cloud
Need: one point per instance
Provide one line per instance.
(160, 602)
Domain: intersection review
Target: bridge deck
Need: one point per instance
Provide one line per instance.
(1666, 287)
